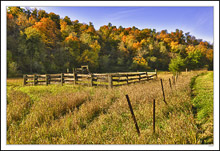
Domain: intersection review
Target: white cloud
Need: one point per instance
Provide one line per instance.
(121, 14)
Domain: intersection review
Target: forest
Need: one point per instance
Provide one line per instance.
(41, 42)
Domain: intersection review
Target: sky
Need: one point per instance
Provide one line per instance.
(196, 20)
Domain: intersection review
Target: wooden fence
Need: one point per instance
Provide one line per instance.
(93, 79)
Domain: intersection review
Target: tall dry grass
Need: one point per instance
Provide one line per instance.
(82, 115)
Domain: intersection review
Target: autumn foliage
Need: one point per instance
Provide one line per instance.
(60, 43)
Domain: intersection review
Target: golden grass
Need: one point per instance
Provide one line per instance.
(96, 115)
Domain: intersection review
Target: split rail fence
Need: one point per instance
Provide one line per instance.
(93, 79)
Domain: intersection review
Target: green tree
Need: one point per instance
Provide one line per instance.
(194, 60)
(177, 64)
(56, 18)
(32, 51)
(42, 14)
(12, 67)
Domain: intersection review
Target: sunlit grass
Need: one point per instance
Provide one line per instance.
(73, 114)
(203, 102)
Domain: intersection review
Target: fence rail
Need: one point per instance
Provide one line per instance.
(93, 79)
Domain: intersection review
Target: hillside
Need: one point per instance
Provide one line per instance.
(43, 42)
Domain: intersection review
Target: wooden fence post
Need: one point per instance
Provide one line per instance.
(127, 78)
(75, 78)
(186, 70)
(163, 91)
(91, 80)
(37, 79)
(25, 79)
(156, 73)
(139, 77)
(146, 75)
(110, 84)
(132, 113)
(47, 79)
(119, 76)
(61, 79)
(170, 83)
(154, 116)
(34, 79)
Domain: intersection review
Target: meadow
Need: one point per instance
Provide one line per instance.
(74, 114)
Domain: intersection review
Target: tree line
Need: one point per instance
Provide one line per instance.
(41, 42)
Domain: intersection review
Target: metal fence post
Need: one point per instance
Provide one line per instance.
(163, 91)
(173, 79)
(154, 116)
(170, 83)
(133, 116)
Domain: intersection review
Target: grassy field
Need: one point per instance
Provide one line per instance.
(202, 93)
(72, 114)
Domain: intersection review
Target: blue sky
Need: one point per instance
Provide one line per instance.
(196, 20)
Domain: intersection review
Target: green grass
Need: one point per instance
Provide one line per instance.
(202, 90)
